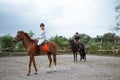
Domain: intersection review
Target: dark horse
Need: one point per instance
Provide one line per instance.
(78, 47)
(30, 47)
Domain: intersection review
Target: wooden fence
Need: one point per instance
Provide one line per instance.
(61, 51)
(114, 51)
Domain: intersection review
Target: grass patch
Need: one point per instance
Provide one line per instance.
(9, 54)
(104, 54)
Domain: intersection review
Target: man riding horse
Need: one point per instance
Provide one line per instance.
(76, 46)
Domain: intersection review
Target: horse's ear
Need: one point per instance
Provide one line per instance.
(18, 32)
(21, 31)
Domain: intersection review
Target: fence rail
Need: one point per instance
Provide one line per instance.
(23, 50)
(114, 51)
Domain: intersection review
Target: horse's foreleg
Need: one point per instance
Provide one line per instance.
(34, 65)
(54, 58)
(30, 61)
(74, 56)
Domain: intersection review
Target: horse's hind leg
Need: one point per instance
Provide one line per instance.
(84, 57)
(50, 61)
(75, 57)
(80, 56)
(54, 58)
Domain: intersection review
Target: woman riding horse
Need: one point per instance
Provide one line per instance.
(42, 37)
(30, 47)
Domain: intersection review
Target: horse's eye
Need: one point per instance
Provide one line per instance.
(18, 35)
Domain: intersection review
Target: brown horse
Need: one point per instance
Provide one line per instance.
(28, 44)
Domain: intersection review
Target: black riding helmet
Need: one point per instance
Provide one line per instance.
(42, 24)
(77, 33)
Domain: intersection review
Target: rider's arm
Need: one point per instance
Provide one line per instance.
(42, 35)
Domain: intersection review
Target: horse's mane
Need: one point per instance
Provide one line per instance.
(71, 41)
(27, 36)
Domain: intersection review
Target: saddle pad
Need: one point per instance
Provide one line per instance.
(34, 47)
(44, 48)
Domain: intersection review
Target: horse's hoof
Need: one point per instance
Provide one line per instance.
(28, 74)
(55, 69)
(48, 70)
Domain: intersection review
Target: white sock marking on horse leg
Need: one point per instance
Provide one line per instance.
(48, 69)
(55, 68)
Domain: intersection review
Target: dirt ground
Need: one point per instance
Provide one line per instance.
(95, 68)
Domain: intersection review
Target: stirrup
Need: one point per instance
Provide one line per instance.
(38, 48)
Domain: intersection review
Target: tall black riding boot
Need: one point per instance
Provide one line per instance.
(38, 49)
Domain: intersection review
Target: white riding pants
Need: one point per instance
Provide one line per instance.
(40, 41)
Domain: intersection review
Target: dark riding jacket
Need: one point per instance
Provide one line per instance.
(77, 38)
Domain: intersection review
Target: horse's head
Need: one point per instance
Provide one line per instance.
(18, 37)
(71, 42)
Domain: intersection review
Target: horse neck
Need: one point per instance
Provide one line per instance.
(26, 42)
(73, 45)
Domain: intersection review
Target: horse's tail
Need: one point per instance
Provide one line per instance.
(83, 52)
(83, 49)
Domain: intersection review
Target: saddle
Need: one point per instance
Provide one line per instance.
(77, 45)
(43, 48)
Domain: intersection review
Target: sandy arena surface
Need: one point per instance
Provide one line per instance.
(95, 68)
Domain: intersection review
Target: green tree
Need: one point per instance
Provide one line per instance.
(6, 41)
(60, 41)
(92, 46)
(19, 45)
(84, 38)
(31, 33)
(109, 37)
(98, 38)
(117, 26)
